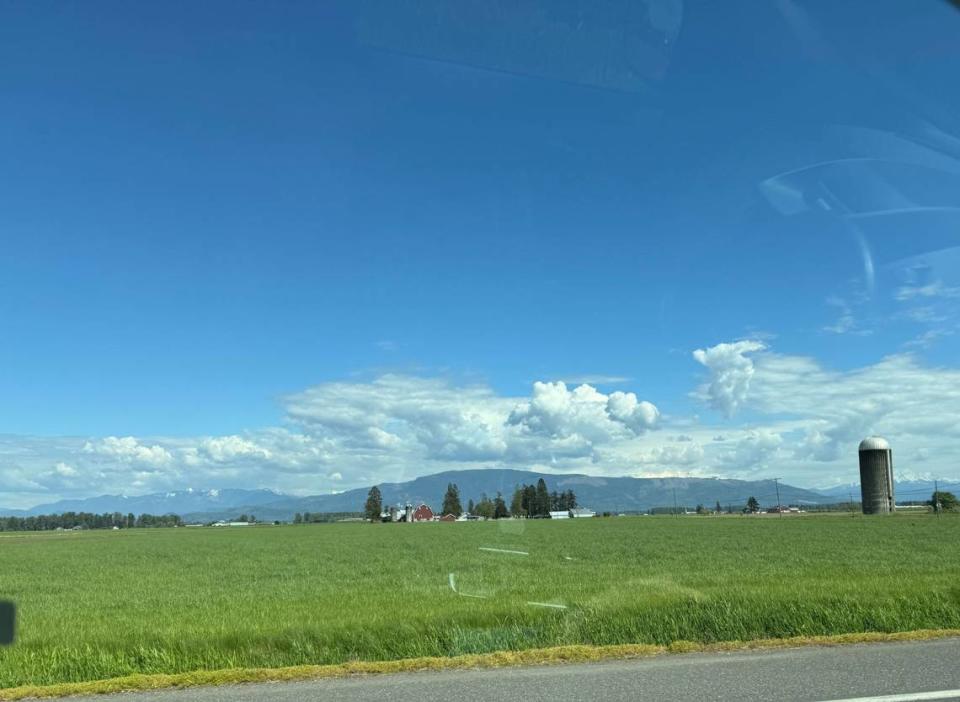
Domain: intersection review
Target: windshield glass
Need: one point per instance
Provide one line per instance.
(278, 280)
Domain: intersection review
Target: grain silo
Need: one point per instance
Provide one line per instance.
(876, 476)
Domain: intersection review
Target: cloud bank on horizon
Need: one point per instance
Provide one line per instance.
(766, 413)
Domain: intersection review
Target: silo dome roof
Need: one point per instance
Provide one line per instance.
(874, 443)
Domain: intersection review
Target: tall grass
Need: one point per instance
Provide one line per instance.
(95, 605)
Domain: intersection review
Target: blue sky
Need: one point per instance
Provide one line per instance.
(210, 213)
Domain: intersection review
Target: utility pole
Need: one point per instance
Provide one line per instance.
(675, 512)
(779, 508)
(852, 513)
(936, 498)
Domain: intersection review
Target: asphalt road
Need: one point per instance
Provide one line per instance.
(812, 674)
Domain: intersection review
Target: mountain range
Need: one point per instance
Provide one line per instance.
(903, 490)
(178, 502)
(620, 494)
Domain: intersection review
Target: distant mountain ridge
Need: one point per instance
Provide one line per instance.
(616, 494)
(175, 502)
(903, 490)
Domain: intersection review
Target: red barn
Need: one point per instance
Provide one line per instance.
(423, 514)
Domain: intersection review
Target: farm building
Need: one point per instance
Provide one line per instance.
(572, 514)
(422, 514)
(448, 518)
(406, 513)
(396, 513)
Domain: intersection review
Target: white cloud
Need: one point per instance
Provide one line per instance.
(127, 449)
(731, 371)
(222, 449)
(556, 412)
(817, 415)
(934, 289)
(392, 427)
(753, 450)
(805, 420)
(925, 314)
(64, 470)
(404, 418)
(928, 338)
(596, 379)
(689, 454)
(847, 322)
(426, 416)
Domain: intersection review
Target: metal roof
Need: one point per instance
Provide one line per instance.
(874, 443)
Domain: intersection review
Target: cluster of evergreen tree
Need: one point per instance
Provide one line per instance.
(87, 520)
(536, 501)
(528, 501)
(489, 509)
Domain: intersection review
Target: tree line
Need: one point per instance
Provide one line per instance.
(88, 520)
(322, 517)
(533, 501)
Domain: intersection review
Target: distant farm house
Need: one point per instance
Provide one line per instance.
(423, 514)
(572, 514)
(406, 513)
(447, 518)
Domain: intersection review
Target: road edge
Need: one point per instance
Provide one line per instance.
(498, 659)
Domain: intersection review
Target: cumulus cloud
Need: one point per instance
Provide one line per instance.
(818, 415)
(64, 470)
(391, 427)
(829, 440)
(426, 416)
(805, 420)
(128, 450)
(407, 418)
(556, 412)
(755, 449)
(731, 370)
(689, 454)
(230, 448)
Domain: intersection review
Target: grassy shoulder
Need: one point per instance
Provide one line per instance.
(539, 656)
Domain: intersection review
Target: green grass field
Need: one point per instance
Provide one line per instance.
(96, 605)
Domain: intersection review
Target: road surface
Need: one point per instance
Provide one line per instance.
(911, 671)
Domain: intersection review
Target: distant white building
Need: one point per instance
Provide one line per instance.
(572, 514)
